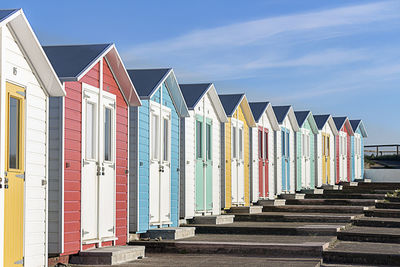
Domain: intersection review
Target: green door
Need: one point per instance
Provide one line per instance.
(203, 164)
(199, 164)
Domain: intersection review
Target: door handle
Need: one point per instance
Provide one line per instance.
(5, 183)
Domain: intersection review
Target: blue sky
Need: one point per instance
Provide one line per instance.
(337, 57)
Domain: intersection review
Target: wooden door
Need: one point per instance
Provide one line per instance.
(90, 164)
(263, 161)
(234, 161)
(240, 168)
(200, 189)
(285, 160)
(209, 166)
(160, 165)
(14, 176)
(107, 173)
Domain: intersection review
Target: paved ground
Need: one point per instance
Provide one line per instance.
(216, 260)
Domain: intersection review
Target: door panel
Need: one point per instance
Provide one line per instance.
(234, 163)
(14, 181)
(199, 165)
(209, 165)
(287, 160)
(107, 177)
(240, 169)
(90, 137)
(260, 162)
(263, 161)
(160, 164)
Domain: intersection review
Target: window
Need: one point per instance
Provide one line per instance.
(199, 139)
(266, 145)
(107, 134)
(283, 143)
(208, 141)
(287, 145)
(234, 143)
(240, 143)
(13, 133)
(166, 140)
(90, 130)
(155, 135)
(303, 143)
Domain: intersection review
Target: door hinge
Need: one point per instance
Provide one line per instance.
(113, 166)
(169, 215)
(20, 261)
(84, 162)
(84, 232)
(111, 229)
(22, 176)
(85, 95)
(112, 105)
(44, 182)
(22, 93)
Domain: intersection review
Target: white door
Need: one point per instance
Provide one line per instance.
(357, 156)
(98, 164)
(305, 159)
(160, 165)
(237, 171)
(234, 162)
(107, 167)
(90, 137)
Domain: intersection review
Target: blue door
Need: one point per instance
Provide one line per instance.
(285, 160)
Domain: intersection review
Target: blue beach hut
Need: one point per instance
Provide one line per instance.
(154, 137)
(357, 149)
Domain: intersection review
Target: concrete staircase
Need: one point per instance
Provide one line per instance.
(373, 239)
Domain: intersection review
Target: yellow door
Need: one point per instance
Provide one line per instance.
(14, 176)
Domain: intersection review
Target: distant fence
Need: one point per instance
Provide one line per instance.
(381, 150)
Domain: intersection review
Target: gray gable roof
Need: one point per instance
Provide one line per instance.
(230, 102)
(281, 112)
(301, 116)
(339, 121)
(146, 80)
(69, 61)
(258, 109)
(193, 92)
(5, 13)
(321, 120)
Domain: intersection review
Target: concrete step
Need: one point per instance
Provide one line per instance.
(273, 228)
(245, 245)
(291, 196)
(377, 222)
(392, 199)
(170, 233)
(213, 219)
(297, 217)
(316, 191)
(248, 210)
(387, 213)
(342, 195)
(198, 260)
(347, 202)
(370, 234)
(108, 255)
(331, 187)
(387, 205)
(365, 253)
(316, 208)
(270, 202)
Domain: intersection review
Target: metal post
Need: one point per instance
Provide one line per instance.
(377, 151)
(397, 150)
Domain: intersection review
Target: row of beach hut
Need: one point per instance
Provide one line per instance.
(91, 151)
